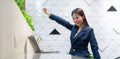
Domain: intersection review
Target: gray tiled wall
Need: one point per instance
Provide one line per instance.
(102, 15)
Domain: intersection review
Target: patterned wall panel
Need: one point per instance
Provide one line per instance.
(102, 15)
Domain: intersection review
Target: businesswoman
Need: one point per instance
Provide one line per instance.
(81, 33)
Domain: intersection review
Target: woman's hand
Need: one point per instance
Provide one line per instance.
(45, 10)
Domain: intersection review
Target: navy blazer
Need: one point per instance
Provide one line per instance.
(79, 43)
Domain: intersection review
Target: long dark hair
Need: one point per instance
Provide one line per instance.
(80, 12)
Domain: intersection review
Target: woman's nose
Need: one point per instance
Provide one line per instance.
(75, 20)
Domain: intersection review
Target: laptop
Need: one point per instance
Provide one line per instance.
(35, 46)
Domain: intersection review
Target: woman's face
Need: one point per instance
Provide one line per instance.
(78, 20)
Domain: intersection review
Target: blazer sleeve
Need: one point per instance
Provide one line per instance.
(94, 45)
(61, 21)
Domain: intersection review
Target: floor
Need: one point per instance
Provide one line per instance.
(43, 56)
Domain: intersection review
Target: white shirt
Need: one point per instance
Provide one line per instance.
(77, 32)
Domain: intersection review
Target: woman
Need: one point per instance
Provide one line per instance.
(81, 33)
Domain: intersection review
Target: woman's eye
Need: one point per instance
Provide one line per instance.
(73, 18)
(77, 17)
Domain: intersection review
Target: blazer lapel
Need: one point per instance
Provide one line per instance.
(74, 32)
(81, 33)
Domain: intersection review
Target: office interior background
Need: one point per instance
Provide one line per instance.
(102, 15)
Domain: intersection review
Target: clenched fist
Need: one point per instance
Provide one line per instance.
(45, 10)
